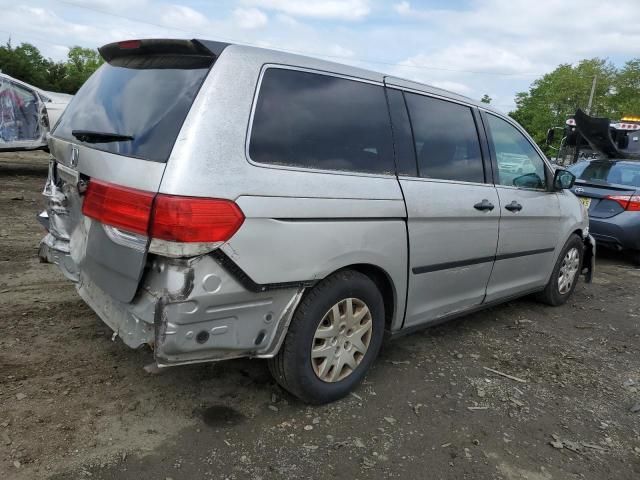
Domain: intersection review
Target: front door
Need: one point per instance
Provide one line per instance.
(453, 211)
(530, 213)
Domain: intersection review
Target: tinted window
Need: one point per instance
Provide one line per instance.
(608, 172)
(146, 103)
(446, 139)
(317, 121)
(518, 162)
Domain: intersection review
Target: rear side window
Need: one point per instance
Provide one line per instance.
(147, 99)
(319, 121)
(446, 139)
(608, 172)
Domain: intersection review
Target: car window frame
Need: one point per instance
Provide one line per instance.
(494, 160)
(352, 173)
(482, 139)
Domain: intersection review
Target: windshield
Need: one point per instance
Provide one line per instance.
(608, 172)
(148, 104)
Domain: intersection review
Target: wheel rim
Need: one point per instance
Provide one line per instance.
(341, 340)
(568, 271)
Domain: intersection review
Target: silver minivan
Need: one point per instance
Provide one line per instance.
(217, 201)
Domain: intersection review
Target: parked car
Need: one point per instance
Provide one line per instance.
(610, 190)
(26, 114)
(293, 209)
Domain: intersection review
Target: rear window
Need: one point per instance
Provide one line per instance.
(319, 121)
(147, 100)
(608, 172)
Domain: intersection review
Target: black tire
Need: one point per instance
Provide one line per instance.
(292, 367)
(551, 294)
(635, 257)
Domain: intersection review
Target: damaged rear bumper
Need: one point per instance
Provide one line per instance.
(187, 310)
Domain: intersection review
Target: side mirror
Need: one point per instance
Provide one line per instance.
(563, 179)
(528, 180)
(551, 135)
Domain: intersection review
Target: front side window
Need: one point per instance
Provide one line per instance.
(446, 139)
(518, 162)
(310, 120)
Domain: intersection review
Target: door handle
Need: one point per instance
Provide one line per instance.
(514, 207)
(484, 205)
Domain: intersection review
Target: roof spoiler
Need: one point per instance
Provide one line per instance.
(194, 53)
(597, 132)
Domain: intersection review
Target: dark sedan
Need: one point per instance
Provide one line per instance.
(610, 189)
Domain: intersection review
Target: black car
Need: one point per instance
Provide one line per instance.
(610, 189)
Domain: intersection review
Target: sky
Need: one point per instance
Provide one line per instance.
(472, 47)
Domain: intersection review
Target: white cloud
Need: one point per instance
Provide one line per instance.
(474, 57)
(403, 8)
(323, 9)
(456, 87)
(250, 18)
(340, 51)
(179, 16)
(471, 47)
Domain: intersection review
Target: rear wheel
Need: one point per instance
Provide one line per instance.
(635, 257)
(333, 339)
(565, 273)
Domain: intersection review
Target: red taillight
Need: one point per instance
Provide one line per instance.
(192, 219)
(168, 217)
(129, 44)
(628, 202)
(121, 207)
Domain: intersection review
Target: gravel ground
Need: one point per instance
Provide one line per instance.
(74, 404)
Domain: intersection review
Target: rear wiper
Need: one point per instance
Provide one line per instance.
(88, 136)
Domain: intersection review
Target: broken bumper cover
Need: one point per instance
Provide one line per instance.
(188, 311)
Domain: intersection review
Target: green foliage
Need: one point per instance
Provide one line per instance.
(26, 63)
(558, 94)
(626, 97)
(486, 98)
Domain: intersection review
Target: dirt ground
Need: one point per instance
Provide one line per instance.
(74, 404)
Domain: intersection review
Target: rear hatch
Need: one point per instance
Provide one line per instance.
(111, 147)
(606, 187)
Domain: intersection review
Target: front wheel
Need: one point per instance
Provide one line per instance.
(333, 339)
(565, 273)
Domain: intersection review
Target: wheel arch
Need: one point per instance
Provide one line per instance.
(385, 285)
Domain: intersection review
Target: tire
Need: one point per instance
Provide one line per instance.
(293, 367)
(554, 294)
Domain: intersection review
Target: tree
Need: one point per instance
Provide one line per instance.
(80, 64)
(486, 99)
(26, 63)
(626, 92)
(558, 94)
